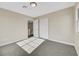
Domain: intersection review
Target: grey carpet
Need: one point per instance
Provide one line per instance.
(12, 50)
(48, 48)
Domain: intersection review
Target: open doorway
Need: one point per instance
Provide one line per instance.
(30, 28)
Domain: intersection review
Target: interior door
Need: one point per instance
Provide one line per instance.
(35, 28)
(43, 28)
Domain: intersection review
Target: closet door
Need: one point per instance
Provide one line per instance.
(43, 28)
(35, 28)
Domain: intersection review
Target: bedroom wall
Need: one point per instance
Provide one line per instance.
(61, 26)
(13, 27)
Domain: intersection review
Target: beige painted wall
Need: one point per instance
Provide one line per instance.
(13, 27)
(61, 26)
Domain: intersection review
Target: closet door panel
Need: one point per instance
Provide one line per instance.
(35, 28)
(43, 26)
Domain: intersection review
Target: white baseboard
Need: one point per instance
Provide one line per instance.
(10, 42)
(62, 42)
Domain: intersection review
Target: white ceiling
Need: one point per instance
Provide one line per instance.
(41, 9)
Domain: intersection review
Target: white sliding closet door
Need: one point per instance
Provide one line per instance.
(43, 28)
(35, 28)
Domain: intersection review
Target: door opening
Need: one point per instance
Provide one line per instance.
(30, 28)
